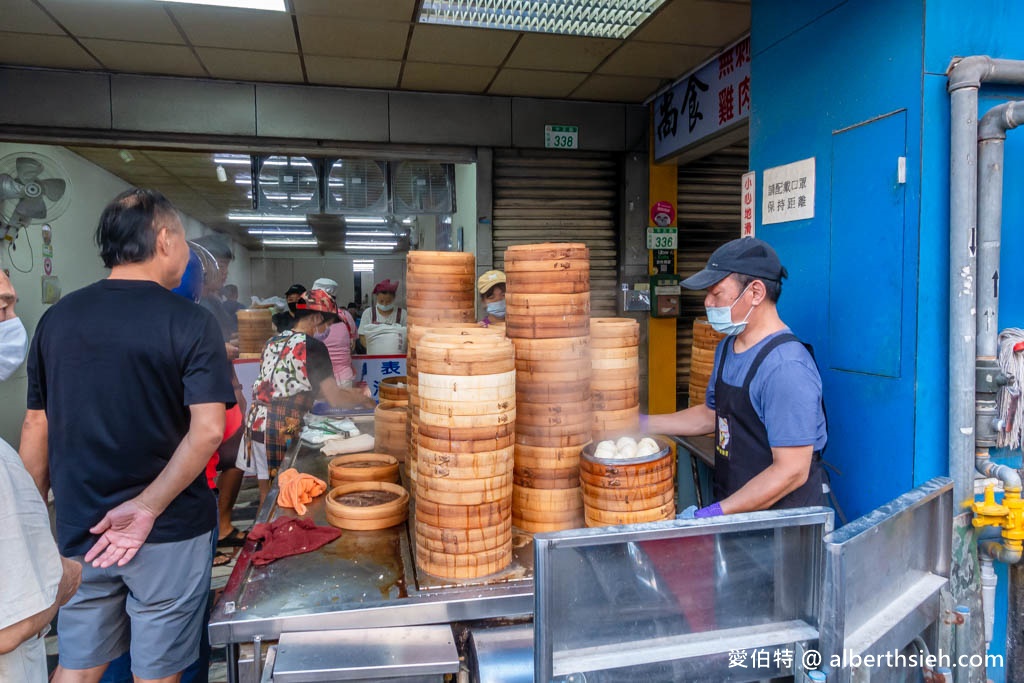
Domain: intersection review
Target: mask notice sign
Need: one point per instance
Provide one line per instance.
(788, 192)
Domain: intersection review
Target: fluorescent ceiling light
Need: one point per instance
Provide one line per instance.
(362, 268)
(232, 159)
(264, 218)
(369, 247)
(289, 243)
(363, 261)
(595, 18)
(365, 243)
(367, 233)
(278, 231)
(366, 220)
(270, 5)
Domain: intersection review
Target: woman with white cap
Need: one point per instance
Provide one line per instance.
(382, 329)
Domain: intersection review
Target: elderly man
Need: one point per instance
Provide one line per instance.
(764, 401)
(382, 328)
(121, 424)
(37, 580)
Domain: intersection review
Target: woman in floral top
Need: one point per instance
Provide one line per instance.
(294, 370)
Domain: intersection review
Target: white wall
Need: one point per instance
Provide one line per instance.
(76, 258)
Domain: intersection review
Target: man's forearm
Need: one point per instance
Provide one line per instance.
(770, 485)
(17, 633)
(188, 461)
(33, 451)
(692, 421)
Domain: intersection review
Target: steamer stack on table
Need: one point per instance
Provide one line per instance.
(702, 358)
(548, 319)
(615, 383)
(255, 327)
(440, 291)
(391, 418)
(466, 427)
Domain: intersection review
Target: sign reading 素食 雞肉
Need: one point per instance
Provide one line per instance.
(788, 192)
(707, 101)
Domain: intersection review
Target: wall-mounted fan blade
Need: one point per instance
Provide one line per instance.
(31, 207)
(53, 188)
(9, 187)
(28, 169)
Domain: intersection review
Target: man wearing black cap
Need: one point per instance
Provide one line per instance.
(764, 400)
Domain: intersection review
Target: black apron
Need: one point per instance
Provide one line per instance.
(742, 450)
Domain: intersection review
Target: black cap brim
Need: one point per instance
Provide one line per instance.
(704, 279)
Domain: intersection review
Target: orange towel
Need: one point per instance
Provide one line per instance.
(295, 490)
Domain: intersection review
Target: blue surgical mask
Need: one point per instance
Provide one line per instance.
(720, 317)
(497, 309)
(386, 307)
(13, 346)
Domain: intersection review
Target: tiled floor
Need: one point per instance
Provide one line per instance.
(244, 514)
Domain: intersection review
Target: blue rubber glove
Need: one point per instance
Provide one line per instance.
(687, 513)
(643, 424)
(713, 510)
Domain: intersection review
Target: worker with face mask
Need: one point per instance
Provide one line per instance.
(382, 328)
(491, 286)
(764, 399)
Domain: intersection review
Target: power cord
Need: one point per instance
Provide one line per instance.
(31, 257)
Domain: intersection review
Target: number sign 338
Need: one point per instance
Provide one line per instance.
(562, 137)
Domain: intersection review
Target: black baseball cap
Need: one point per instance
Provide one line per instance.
(746, 255)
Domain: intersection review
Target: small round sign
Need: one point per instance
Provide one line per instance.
(663, 214)
(48, 266)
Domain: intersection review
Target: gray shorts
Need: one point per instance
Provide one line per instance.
(155, 605)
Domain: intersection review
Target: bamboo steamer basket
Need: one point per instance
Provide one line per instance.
(543, 479)
(426, 490)
(457, 485)
(614, 332)
(628, 491)
(471, 446)
(705, 341)
(549, 458)
(463, 516)
(440, 258)
(552, 349)
(363, 467)
(545, 330)
(467, 421)
(468, 566)
(351, 505)
(255, 327)
(394, 389)
(460, 315)
(528, 287)
(566, 267)
(526, 365)
(390, 419)
(578, 522)
(498, 459)
(478, 469)
(427, 269)
(557, 413)
(547, 500)
(547, 251)
(462, 541)
(554, 441)
(452, 408)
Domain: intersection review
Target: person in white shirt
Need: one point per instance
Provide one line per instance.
(36, 579)
(382, 328)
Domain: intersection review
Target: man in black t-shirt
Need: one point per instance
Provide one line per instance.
(127, 387)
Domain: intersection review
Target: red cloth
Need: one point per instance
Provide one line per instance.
(287, 536)
(232, 423)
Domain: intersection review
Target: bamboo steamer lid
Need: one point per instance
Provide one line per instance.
(546, 251)
(463, 446)
(463, 516)
(463, 541)
(551, 458)
(469, 566)
(351, 505)
(598, 517)
(541, 527)
(363, 467)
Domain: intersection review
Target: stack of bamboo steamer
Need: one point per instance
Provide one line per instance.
(440, 291)
(467, 417)
(702, 358)
(630, 491)
(548, 319)
(615, 383)
(390, 424)
(255, 327)
(393, 389)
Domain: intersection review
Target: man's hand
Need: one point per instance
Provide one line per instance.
(69, 582)
(8, 298)
(124, 529)
(231, 350)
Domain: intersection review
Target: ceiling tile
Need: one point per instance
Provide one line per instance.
(617, 88)
(446, 77)
(149, 58)
(241, 29)
(358, 73)
(37, 50)
(460, 45)
(560, 53)
(332, 37)
(145, 22)
(696, 22)
(23, 16)
(655, 59)
(528, 83)
(380, 10)
(277, 67)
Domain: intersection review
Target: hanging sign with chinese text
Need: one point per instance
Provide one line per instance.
(372, 369)
(714, 97)
(748, 199)
(788, 192)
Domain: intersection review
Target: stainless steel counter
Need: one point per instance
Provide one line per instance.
(364, 579)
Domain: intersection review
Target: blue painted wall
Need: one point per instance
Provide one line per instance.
(819, 70)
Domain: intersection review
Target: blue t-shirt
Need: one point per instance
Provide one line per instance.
(116, 365)
(785, 392)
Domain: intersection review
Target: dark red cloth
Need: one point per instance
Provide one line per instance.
(289, 536)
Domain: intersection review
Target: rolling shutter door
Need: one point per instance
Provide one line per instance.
(561, 197)
(709, 216)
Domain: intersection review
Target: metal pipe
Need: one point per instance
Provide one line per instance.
(963, 641)
(1007, 475)
(989, 581)
(1014, 628)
